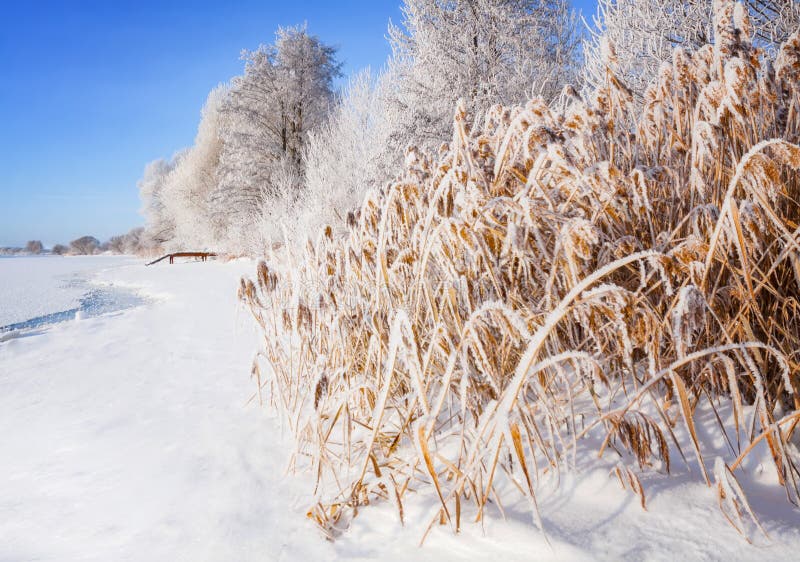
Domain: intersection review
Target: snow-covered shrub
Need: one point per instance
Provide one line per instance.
(557, 281)
(281, 217)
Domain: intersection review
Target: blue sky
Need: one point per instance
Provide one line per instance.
(90, 91)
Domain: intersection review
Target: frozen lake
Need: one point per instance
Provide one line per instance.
(36, 291)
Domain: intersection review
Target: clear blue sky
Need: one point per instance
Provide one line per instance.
(90, 91)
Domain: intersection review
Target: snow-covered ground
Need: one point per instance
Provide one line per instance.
(128, 437)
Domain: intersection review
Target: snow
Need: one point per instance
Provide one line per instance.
(125, 437)
(129, 436)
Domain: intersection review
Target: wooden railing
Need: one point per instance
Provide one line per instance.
(202, 255)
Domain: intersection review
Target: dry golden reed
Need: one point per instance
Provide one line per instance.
(584, 276)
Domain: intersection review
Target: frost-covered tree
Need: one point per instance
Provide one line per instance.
(84, 246)
(634, 37)
(349, 153)
(249, 143)
(116, 244)
(176, 194)
(132, 242)
(34, 247)
(159, 224)
(482, 51)
(129, 243)
(194, 177)
(285, 91)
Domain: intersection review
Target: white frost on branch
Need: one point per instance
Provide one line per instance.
(633, 38)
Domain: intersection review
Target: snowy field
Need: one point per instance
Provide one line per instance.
(128, 436)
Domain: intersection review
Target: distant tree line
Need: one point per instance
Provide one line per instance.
(129, 243)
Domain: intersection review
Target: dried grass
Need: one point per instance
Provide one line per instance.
(559, 273)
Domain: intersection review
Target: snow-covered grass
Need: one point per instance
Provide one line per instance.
(559, 282)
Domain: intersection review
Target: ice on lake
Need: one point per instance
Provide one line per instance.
(36, 291)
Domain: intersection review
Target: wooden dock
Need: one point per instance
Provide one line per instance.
(203, 256)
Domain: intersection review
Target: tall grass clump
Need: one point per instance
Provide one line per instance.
(557, 279)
